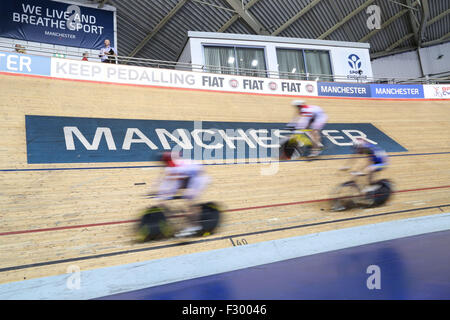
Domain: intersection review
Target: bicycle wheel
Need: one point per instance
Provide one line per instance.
(345, 196)
(287, 149)
(153, 224)
(381, 193)
(295, 147)
(209, 218)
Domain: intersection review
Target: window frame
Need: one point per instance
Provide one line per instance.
(302, 50)
(236, 67)
(292, 49)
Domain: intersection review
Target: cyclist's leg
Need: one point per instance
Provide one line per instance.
(316, 135)
(168, 188)
(321, 121)
(194, 188)
(372, 169)
(316, 148)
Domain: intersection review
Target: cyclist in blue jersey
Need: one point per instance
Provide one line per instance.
(378, 158)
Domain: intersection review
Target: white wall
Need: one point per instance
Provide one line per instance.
(339, 60)
(338, 54)
(407, 64)
(431, 63)
(404, 65)
(185, 57)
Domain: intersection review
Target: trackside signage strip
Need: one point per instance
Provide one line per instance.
(70, 69)
(165, 78)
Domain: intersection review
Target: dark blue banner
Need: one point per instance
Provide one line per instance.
(397, 91)
(337, 89)
(76, 140)
(56, 23)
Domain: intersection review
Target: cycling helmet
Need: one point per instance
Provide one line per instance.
(168, 159)
(359, 145)
(298, 103)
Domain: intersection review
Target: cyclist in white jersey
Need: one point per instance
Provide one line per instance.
(185, 175)
(310, 117)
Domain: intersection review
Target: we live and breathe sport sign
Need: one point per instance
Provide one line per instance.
(58, 23)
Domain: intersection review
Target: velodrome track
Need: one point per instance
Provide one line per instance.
(58, 215)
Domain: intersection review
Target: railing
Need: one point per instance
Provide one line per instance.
(253, 72)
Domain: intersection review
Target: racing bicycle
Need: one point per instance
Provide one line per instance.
(163, 221)
(353, 193)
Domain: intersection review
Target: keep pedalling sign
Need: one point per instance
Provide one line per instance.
(116, 73)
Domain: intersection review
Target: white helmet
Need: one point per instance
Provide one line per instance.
(298, 103)
(358, 144)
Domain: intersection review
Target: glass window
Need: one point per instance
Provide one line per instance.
(291, 64)
(251, 62)
(318, 64)
(235, 60)
(220, 60)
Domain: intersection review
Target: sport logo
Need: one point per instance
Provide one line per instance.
(310, 88)
(355, 64)
(354, 61)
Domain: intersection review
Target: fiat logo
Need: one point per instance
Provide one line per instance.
(234, 83)
(309, 88)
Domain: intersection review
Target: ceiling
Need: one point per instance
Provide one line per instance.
(157, 29)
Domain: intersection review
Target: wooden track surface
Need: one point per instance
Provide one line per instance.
(34, 200)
